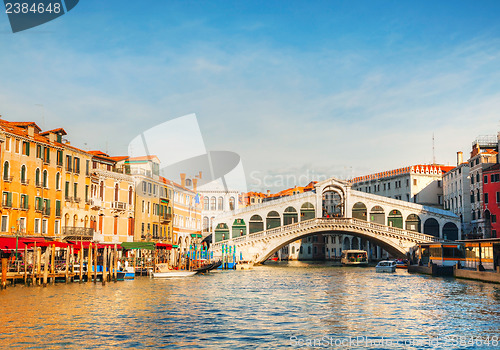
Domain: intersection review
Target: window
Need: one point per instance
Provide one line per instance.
(498, 197)
(101, 190)
(59, 157)
(5, 223)
(76, 165)
(130, 195)
(87, 167)
(37, 225)
(115, 225)
(414, 182)
(44, 226)
(23, 203)
(56, 227)
(86, 193)
(66, 189)
(22, 225)
(75, 190)
(23, 174)
(493, 218)
(26, 148)
(58, 208)
(205, 203)
(46, 154)
(388, 185)
(39, 151)
(45, 179)
(477, 177)
(231, 203)
(6, 171)
(7, 199)
(485, 179)
(58, 181)
(68, 163)
(7, 143)
(116, 192)
(486, 198)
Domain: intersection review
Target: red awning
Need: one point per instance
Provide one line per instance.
(163, 246)
(86, 244)
(9, 243)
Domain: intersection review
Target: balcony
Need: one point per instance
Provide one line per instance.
(8, 178)
(119, 205)
(77, 231)
(26, 207)
(165, 218)
(6, 204)
(25, 182)
(95, 203)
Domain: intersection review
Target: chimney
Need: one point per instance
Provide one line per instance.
(195, 183)
(183, 180)
(31, 130)
(460, 157)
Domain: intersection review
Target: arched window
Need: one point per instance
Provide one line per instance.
(130, 195)
(220, 204)
(45, 179)
(231, 203)
(58, 181)
(206, 204)
(212, 204)
(37, 177)
(116, 192)
(101, 190)
(6, 171)
(23, 174)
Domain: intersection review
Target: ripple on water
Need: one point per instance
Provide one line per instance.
(261, 308)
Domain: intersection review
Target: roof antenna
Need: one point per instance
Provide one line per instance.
(433, 151)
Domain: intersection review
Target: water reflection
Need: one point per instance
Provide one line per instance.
(263, 308)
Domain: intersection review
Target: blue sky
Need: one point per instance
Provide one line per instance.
(327, 87)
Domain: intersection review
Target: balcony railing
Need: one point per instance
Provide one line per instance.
(26, 207)
(165, 217)
(119, 205)
(78, 231)
(96, 203)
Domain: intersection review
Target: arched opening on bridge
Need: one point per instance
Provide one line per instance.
(359, 211)
(347, 244)
(413, 223)
(355, 243)
(273, 220)
(431, 227)
(290, 216)
(239, 228)
(377, 215)
(395, 219)
(307, 211)
(256, 224)
(450, 231)
(221, 232)
(333, 203)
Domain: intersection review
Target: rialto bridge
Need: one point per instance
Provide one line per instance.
(258, 231)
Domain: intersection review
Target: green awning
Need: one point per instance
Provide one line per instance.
(164, 201)
(195, 235)
(138, 245)
(175, 246)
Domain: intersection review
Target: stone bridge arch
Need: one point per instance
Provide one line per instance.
(386, 244)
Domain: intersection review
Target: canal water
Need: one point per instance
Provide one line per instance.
(281, 305)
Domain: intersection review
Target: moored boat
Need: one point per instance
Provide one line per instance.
(173, 273)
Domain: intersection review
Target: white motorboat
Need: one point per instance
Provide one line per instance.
(173, 273)
(386, 266)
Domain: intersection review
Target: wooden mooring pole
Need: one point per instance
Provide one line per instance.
(25, 259)
(4, 272)
(89, 265)
(104, 263)
(95, 263)
(46, 267)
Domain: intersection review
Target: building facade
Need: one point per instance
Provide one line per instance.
(420, 184)
(112, 201)
(456, 189)
(491, 201)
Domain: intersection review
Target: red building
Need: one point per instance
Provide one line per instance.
(491, 193)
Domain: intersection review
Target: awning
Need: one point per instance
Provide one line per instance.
(175, 246)
(163, 246)
(47, 244)
(138, 245)
(9, 243)
(196, 235)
